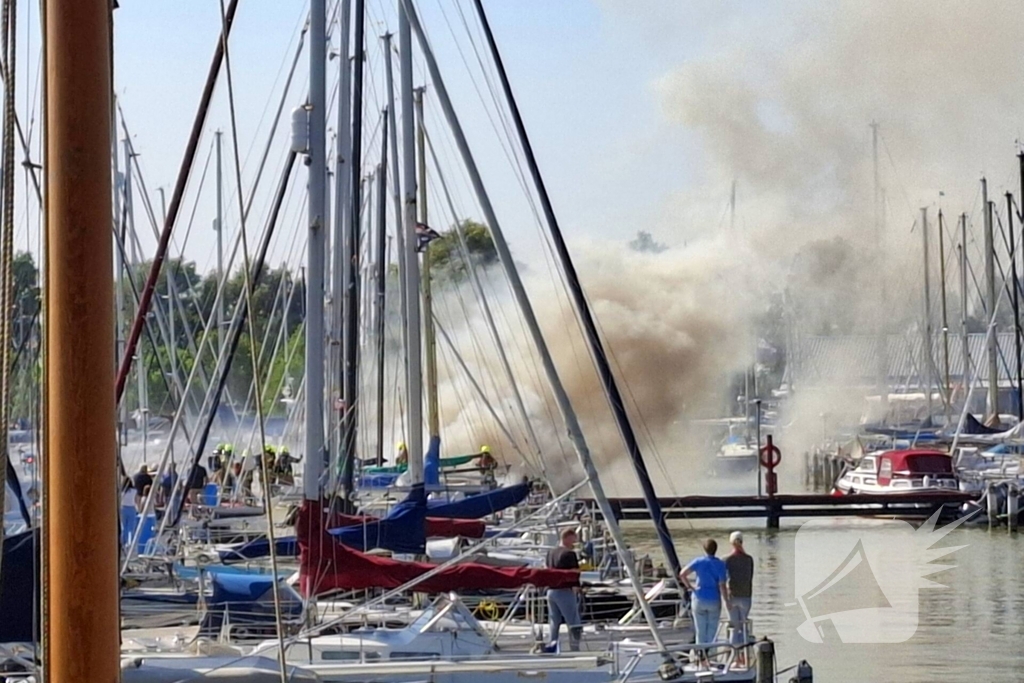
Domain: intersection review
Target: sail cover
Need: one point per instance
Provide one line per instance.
(397, 532)
(19, 585)
(481, 505)
(403, 530)
(327, 565)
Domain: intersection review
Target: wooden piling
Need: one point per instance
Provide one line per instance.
(80, 615)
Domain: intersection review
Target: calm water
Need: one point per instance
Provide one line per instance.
(969, 631)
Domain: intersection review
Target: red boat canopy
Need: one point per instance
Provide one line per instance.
(913, 463)
(326, 565)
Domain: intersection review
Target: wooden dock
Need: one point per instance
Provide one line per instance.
(774, 508)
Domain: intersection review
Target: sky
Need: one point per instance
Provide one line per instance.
(585, 74)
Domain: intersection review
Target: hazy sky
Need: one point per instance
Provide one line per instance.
(641, 112)
(586, 75)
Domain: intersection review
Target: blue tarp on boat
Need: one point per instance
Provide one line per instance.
(480, 505)
(378, 481)
(247, 601)
(286, 546)
(19, 589)
(432, 462)
(402, 531)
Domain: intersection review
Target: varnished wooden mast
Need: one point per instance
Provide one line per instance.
(81, 610)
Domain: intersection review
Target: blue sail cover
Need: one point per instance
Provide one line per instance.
(403, 530)
(432, 462)
(248, 600)
(19, 589)
(480, 505)
(286, 546)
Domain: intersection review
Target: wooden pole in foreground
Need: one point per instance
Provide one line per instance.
(81, 610)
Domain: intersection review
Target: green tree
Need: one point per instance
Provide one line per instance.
(446, 260)
(645, 244)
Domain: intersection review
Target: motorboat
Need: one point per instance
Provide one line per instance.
(914, 470)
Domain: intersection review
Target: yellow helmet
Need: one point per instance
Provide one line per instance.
(401, 446)
(485, 449)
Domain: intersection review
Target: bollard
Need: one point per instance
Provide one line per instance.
(765, 652)
(1012, 508)
(804, 673)
(992, 505)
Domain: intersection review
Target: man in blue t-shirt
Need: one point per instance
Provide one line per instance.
(706, 605)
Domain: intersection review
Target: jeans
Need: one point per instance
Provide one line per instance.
(739, 611)
(563, 608)
(705, 618)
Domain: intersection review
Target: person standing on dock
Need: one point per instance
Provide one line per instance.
(142, 482)
(706, 605)
(739, 567)
(563, 603)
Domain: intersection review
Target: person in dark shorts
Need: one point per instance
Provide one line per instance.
(142, 482)
(563, 603)
(167, 484)
(196, 483)
(739, 568)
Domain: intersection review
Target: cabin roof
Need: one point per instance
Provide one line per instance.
(901, 458)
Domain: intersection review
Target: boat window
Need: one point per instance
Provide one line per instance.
(347, 655)
(867, 465)
(901, 484)
(856, 480)
(930, 464)
(415, 655)
(885, 472)
(870, 481)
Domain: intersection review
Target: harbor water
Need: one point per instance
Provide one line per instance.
(969, 630)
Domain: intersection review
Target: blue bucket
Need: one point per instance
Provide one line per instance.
(210, 492)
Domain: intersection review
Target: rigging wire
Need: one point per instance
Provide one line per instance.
(253, 341)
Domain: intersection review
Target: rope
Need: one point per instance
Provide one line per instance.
(9, 21)
(254, 341)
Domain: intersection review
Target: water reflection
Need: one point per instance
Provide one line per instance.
(968, 631)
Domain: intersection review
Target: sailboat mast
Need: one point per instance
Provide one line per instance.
(80, 605)
(219, 227)
(342, 191)
(1016, 302)
(945, 315)
(316, 155)
(350, 268)
(965, 334)
(382, 266)
(412, 267)
(882, 342)
(990, 295)
(926, 327)
(604, 371)
(429, 335)
(140, 367)
(396, 197)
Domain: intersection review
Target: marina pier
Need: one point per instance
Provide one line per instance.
(773, 508)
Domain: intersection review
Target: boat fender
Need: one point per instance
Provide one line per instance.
(131, 663)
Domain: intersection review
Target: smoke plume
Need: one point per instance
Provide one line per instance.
(783, 107)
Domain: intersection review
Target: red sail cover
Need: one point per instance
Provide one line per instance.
(437, 527)
(326, 565)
